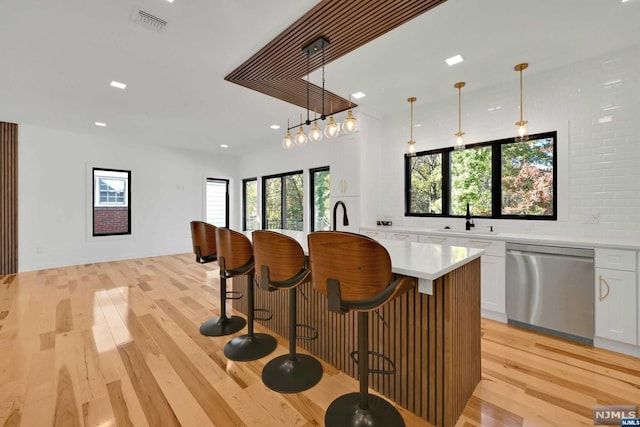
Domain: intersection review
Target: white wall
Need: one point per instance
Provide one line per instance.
(167, 187)
(598, 155)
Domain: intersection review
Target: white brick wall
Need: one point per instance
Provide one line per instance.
(594, 106)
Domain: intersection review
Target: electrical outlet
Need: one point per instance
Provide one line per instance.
(593, 218)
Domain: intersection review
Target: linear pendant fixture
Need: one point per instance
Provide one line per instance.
(523, 132)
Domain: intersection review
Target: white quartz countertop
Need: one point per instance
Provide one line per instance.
(540, 239)
(422, 260)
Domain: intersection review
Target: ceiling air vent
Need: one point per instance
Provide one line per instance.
(148, 20)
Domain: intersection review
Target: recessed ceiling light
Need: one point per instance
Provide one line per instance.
(170, 1)
(605, 119)
(612, 82)
(118, 84)
(419, 125)
(358, 95)
(100, 124)
(224, 146)
(454, 60)
(624, 1)
(276, 127)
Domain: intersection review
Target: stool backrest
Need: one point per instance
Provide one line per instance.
(359, 263)
(203, 237)
(282, 254)
(235, 248)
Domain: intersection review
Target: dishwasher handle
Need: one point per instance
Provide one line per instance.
(601, 280)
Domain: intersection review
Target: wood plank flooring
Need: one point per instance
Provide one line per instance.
(117, 344)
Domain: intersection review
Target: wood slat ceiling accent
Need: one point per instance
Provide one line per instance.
(279, 67)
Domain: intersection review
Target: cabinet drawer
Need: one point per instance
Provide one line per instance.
(438, 240)
(616, 259)
(491, 247)
(408, 237)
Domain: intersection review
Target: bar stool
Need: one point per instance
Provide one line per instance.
(223, 324)
(235, 256)
(203, 237)
(281, 264)
(354, 273)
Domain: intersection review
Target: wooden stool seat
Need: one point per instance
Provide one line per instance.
(354, 273)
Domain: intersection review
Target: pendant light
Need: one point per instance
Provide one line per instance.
(523, 132)
(411, 149)
(459, 140)
(315, 134)
(287, 141)
(301, 137)
(349, 125)
(333, 129)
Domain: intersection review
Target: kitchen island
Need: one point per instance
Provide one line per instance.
(432, 333)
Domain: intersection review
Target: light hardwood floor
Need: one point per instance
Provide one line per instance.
(117, 343)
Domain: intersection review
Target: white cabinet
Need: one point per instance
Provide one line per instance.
(493, 294)
(616, 307)
(345, 166)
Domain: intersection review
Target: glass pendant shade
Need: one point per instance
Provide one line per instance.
(315, 135)
(301, 137)
(349, 125)
(333, 129)
(287, 141)
(459, 141)
(411, 148)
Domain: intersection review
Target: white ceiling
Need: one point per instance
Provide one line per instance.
(57, 59)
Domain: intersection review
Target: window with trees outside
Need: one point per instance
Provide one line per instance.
(504, 179)
(282, 201)
(320, 199)
(250, 220)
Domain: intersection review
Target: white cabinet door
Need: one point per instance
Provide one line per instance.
(616, 310)
(492, 294)
(345, 167)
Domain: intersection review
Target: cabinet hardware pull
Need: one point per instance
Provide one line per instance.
(437, 239)
(401, 236)
(480, 242)
(601, 281)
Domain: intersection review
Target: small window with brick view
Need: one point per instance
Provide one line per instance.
(111, 202)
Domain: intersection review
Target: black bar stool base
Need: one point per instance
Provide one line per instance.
(247, 347)
(292, 376)
(219, 326)
(345, 412)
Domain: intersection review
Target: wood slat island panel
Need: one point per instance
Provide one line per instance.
(434, 340)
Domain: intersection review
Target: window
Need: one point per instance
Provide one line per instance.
(499, 179)
(217, 202)
(282, 201)
(250, 220)
(320, 201)
(111, 202)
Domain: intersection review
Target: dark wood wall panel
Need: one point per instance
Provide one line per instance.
(434, 340)
(8, 198)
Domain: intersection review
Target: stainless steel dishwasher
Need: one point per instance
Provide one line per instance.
(551, 289)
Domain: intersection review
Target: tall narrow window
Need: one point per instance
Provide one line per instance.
(320, 201)
(283, 198)
(217, 208)
(111, 202)
(250, 219)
